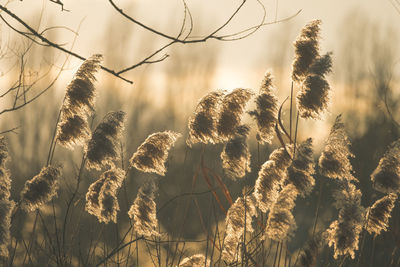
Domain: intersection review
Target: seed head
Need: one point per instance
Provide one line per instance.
(378, 215)
(270, 178)
(6, 208)
(153, 152)
(281, 224)
(306, 50)
(143, 211)
(334, 160)
(236, 155)
(302, 168)
(231, 112)
(197, 260)
(73, 130)
(238, 219)
(102, 147)
(386, 177)
(343, 234)
(101, 198)
(40, 189)
(266, 111)
(203, 124)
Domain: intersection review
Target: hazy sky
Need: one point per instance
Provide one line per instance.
(240, 63)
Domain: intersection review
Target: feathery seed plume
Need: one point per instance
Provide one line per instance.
(238, 220)
(334, 160)
(143, 211)
(343, 234)
(41, 188)
(281, 223)
(266, 111)
(6, 208)
(313, 97)
(270, 177)
(302, 168)
(102, 147)
(236, 155)
(153, 152)
(73, 128)
(101, 198)
(5, 181)
(379, 213)
(203, 124)
(386, 177)
(231, 112)
(306, 50)
(197, 260)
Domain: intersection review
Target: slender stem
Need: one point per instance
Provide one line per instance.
(291, 112)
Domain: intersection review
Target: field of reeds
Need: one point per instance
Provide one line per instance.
(237, 183)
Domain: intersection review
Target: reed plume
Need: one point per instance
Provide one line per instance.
(197, 260)
(379, 213)
(266, 111)
(143, 211)
(386, 177)
(343, 234)
(5, 181)
(101, 198)
(270, 178)
(230, 115)
(153, 152)
(334, 160)
(40, 189)
(73, 128)
(203, 124)
(313, 97)
(306, 50)
(6, 205)
(300, 172)
(281, 224)
(102, 147)
(236, 155)
(238, 220)
(6, 208)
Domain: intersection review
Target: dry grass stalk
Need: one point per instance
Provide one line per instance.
(281, 224)
(5, 181)
(101, 198)
(103, 145)
(386, 177)
(266, 111)
(230, 115)
(334, 160)
(203, 124)
(236, 155)
(40, 189)
(270, 177)
(152, 154)
(241, 212)
(379, 213)
(300, 172)
(343, 234)
(197, 260)
(143, 211)
(73, 128)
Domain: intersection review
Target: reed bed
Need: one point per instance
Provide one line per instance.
(253, 228)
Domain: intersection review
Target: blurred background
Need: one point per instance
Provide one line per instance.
(363, 36)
